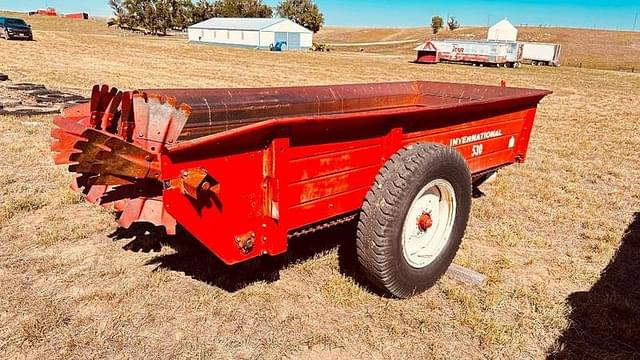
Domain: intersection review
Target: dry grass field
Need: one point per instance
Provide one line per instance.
(596, 49)
(72, 286)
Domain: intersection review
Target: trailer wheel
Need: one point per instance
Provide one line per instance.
(413, 218)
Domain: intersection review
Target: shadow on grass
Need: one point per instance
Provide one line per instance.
(604, 322)
(196, 261)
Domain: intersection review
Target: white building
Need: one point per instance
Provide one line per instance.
(252, 33)
(504, 31)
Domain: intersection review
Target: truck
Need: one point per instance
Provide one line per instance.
(13, 28)
(542, 54)
(474, 52)
(246, 170)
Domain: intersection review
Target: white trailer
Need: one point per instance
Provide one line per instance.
(476, 52)
(541, 53)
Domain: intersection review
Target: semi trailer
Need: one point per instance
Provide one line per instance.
(541, 53)
(474, 52)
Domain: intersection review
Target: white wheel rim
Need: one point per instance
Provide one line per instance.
(422, 242)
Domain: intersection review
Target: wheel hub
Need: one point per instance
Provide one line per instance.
(428, 223)
(425, 222)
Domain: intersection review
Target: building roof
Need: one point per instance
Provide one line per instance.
(503, 30)
(504, 24)
(253, 24)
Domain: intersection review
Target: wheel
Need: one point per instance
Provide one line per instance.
(413, 218)
(534, 63)
(6, 35)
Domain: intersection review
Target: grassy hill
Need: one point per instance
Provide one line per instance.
(590, 48)
(600, 49)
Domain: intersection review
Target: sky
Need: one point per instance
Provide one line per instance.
(616, 14)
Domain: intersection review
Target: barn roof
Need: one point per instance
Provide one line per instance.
(504, 24)
(242, 23)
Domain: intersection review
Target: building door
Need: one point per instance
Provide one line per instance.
(294, 40)
(282, 37)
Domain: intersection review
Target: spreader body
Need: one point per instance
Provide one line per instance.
(245, 170)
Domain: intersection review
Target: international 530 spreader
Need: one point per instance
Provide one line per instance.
(245, 170)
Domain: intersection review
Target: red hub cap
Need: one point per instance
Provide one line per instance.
(424, 222)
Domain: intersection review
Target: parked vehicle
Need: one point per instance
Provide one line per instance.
(279, 46)
(541, 53)
(11, 28)
(245, 170)
(475, 52)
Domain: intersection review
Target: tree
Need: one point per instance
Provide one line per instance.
(437, 23)
(302, 12)
(158, 16)
(145, 14)
(242, 9)
(154, 16)
(181, 14)
(202, 11)
(121, 16)
(452, 23)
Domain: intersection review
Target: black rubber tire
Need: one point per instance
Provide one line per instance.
(41, 92)
(78, 101)
(55, 98)
(25, 86)
(9, 103)
(30, 111)
(379, 239)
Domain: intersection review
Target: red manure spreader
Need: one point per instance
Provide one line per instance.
(245, 170)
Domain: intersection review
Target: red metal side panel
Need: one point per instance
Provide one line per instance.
(283, 187)
(485, 143)
(238, 209)
(525, 135)
(327, 180)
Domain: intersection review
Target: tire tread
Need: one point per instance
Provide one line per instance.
(381, 207)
